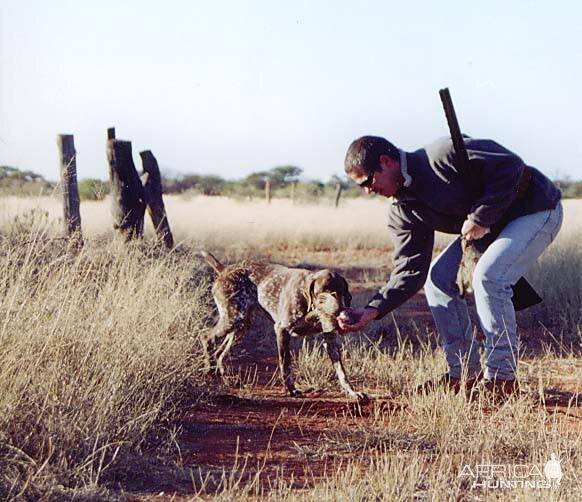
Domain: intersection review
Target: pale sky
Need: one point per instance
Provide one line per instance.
(231, 87)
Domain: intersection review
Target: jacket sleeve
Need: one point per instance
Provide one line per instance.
(413, 242)
(499, 174)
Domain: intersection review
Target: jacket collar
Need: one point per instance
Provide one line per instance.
(404, 169)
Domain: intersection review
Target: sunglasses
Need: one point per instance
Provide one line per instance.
(368, 181)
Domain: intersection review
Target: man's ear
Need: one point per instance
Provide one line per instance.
(384, 160)
(388, 162)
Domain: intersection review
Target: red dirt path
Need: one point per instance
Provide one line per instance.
(261, 428)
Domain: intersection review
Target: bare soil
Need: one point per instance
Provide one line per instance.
(259, 428)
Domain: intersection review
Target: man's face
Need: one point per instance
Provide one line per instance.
(385, 182)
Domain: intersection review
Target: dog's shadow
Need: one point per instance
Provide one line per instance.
(553, 397)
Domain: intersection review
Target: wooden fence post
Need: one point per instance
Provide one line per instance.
(127, 194)
(268, 191)
(70, 189)
(338, 194)
(153, 198)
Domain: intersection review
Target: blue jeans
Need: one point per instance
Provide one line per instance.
(514, 251)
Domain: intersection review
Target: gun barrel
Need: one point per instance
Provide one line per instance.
(456, 136)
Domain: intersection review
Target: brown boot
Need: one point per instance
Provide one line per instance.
(447, 382)
(501, 390)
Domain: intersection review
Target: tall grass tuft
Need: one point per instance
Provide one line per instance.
(97, 350)
(558, 276)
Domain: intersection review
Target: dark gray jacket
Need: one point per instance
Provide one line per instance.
(440, 198)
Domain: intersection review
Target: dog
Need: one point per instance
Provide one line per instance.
(299, 302)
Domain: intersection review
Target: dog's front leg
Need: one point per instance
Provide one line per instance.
(283, 337)
(333, 348)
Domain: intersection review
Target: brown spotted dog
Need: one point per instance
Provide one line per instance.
(299, 302)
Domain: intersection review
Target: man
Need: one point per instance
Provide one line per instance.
(500, 194)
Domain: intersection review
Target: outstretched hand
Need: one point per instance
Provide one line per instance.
(357, 319)
(471, 231)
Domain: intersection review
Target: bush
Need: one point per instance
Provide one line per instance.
(93, 189)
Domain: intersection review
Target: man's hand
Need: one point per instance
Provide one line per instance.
(471, 231)
(358, 319)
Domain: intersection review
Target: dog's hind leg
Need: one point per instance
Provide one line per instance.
(235, 297)
(209, 342)
(333, 348)
(234, 333)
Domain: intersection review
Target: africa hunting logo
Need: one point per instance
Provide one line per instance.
(507, 476)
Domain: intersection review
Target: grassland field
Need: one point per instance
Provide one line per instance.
(102, 395)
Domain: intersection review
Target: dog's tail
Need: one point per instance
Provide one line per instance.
(212, 261)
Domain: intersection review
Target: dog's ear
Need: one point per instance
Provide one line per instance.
(309, 292)
(313, 286)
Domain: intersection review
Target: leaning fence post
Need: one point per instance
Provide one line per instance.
(153, 198)
(268, 191)
(127, 194)
(70, 189)
(338, 194)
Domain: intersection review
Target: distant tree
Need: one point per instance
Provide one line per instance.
(256, 180)
(210, 185)
(204, 184)
(15, 173)
(6, 171)
(189, 182)
(314, 187)
(13, 181)
(284, 175)
(570, 189)
(170, 185)
(335, 179)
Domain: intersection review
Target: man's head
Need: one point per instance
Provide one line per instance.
(374, 164)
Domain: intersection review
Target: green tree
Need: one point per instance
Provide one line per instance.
(282, 176)
(210, 185)
(570, 189)
(256, 180)
(335, 179)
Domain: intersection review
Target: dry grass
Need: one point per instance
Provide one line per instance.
(418, 450)
(255, 227)
(98, 352)
(243, 227)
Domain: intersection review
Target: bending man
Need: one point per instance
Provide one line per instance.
(500, 193)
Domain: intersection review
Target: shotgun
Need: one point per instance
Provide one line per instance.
(524, 295)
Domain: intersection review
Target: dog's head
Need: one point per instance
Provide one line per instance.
(328, 295)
